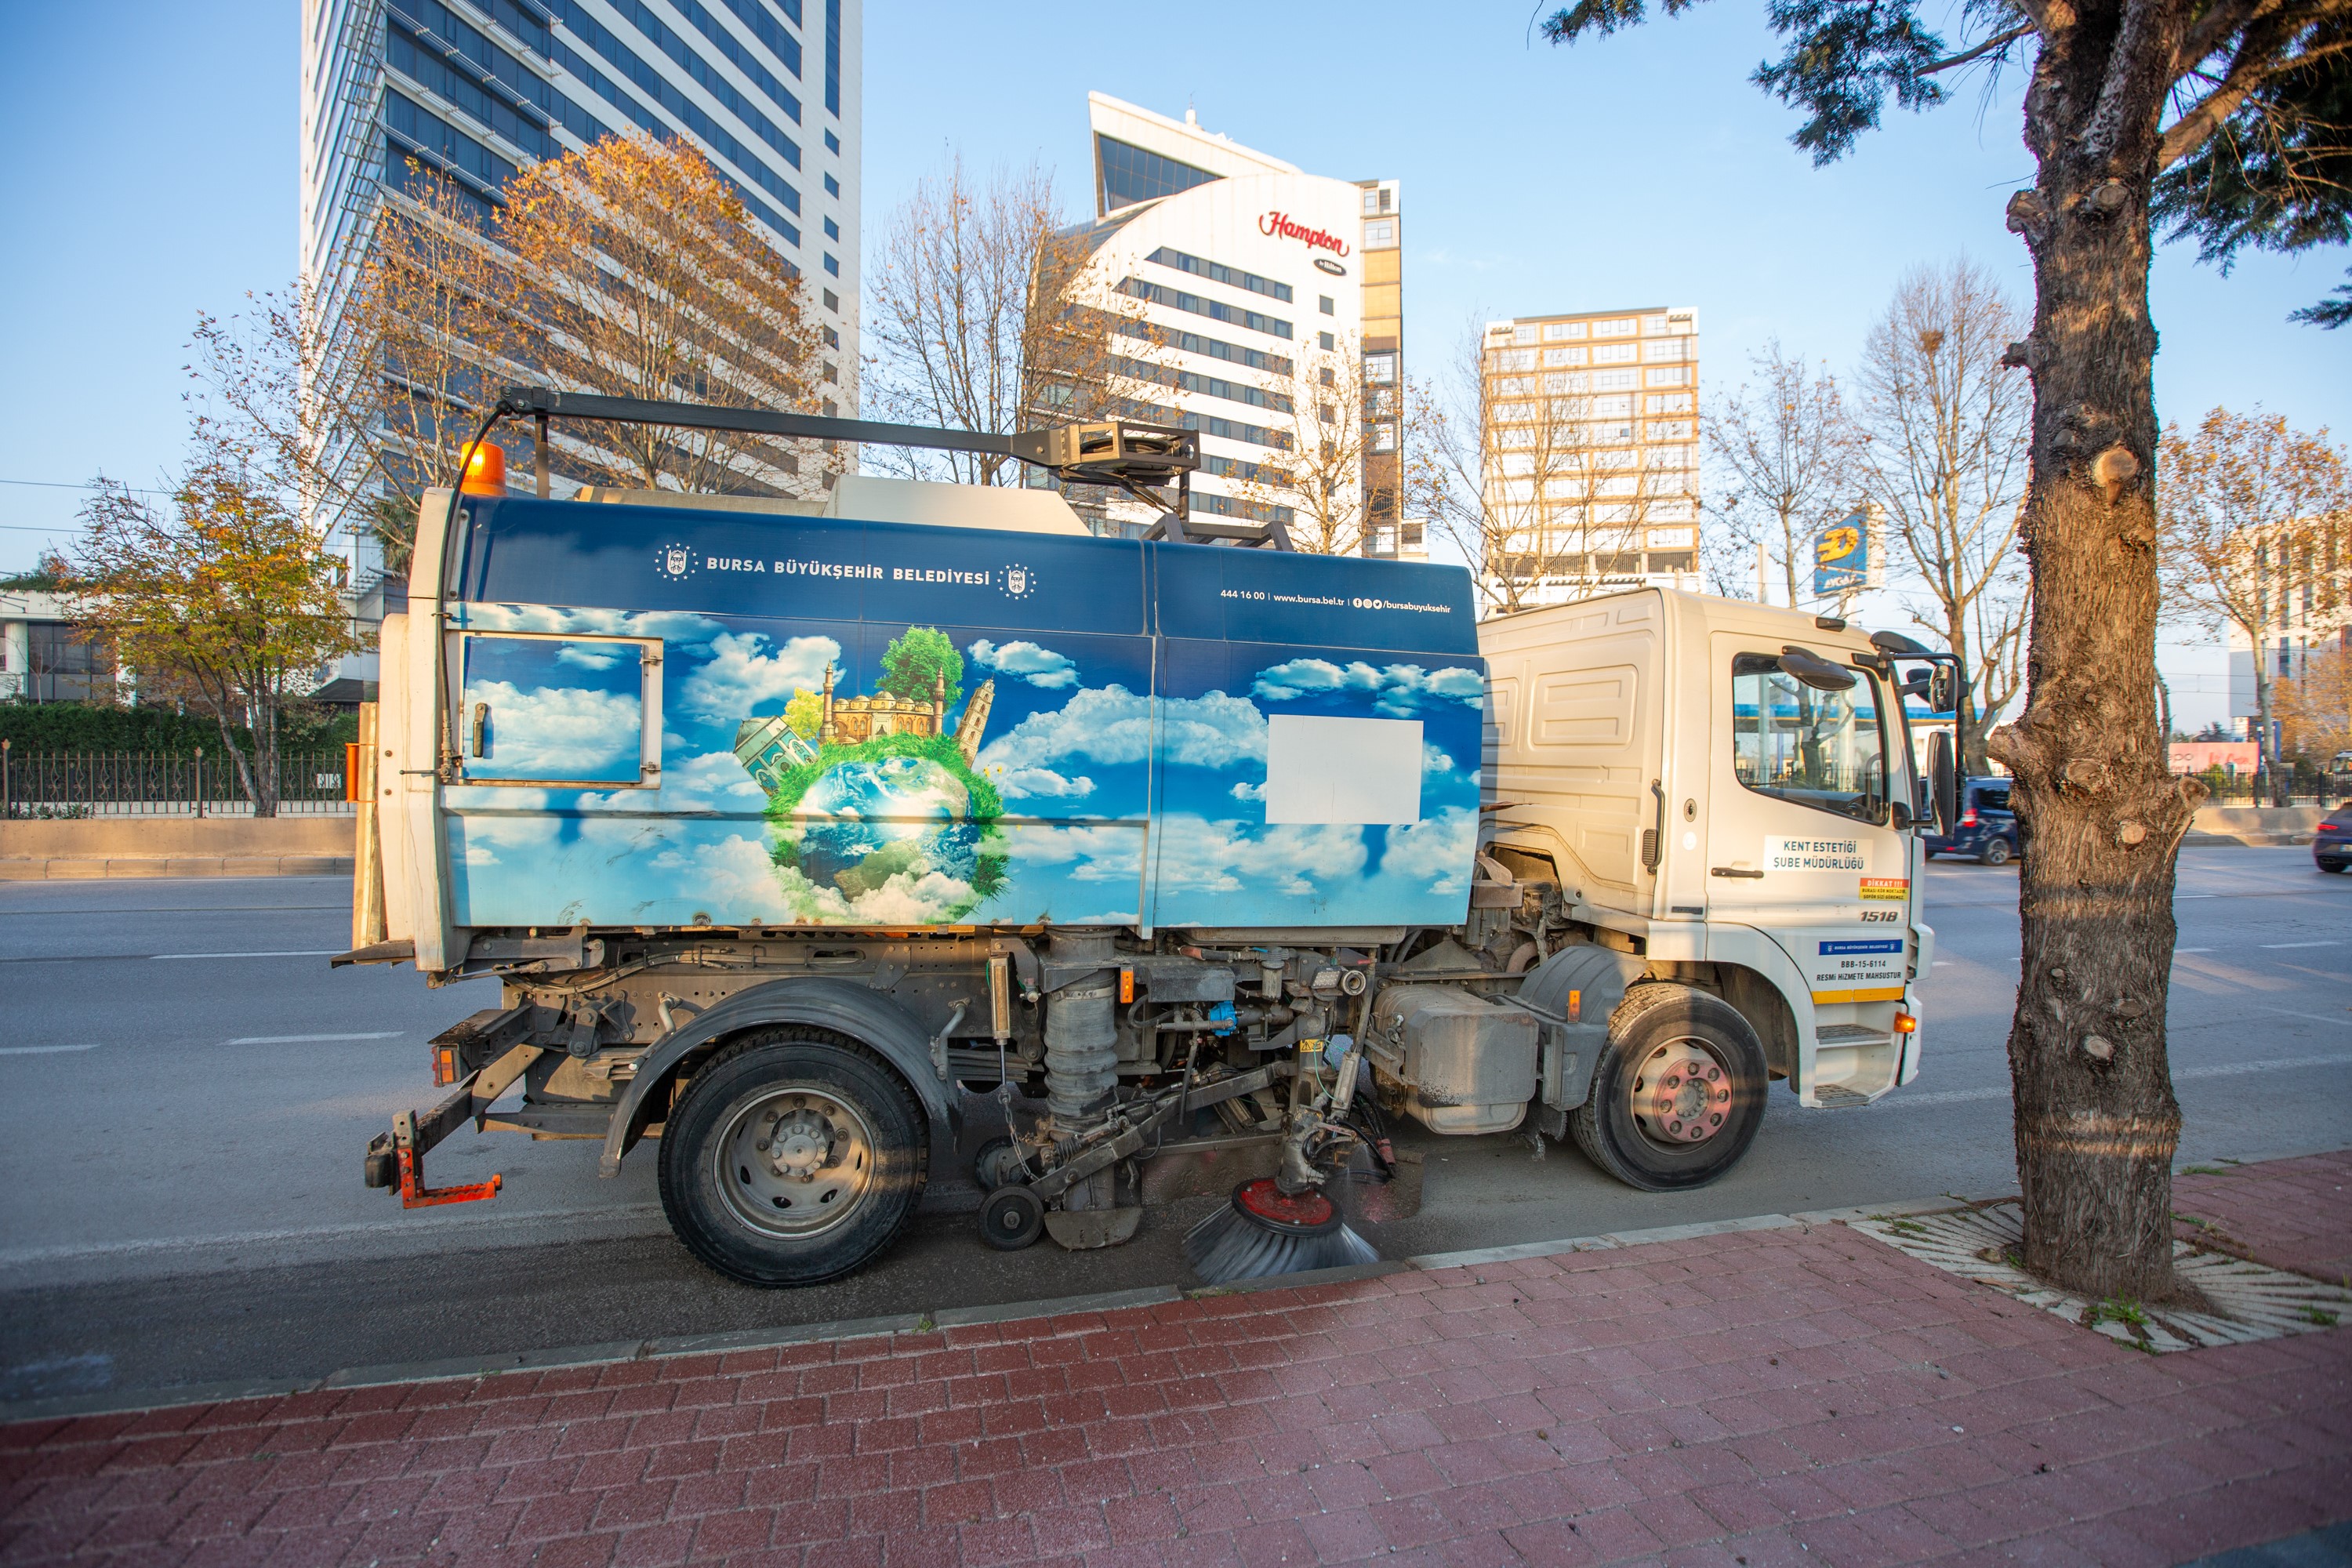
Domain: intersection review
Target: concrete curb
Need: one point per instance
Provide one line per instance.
(80, 868)
(116, 1401)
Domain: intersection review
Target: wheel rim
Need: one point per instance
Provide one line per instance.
(796, 1161)
(1681, 1094)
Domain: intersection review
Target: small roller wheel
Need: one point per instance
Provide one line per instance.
(1012, 1218)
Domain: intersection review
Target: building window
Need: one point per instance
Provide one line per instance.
(1380, 370)
(832, 265)
(1325, 303)
(1380, 235)
(1669, 403)
(1671, 348)
(1616, 353)
(832, 186)
(831, 338)
(1128, 173)
(1523, 334)
(1563, 357)
(1578, 382)
(1385, 439)
(1664, 377)
(1326, 341)
(1216, 310)
(833, 57)
(1218, 272)
(1516, 359)
(1560, 331)
(833, 301)
(1608, 379)
(1654, 326)
(832, 143)
(1612, 328)
(1216, 348)
(1612, 407)
(1670, 429)
(831, 229)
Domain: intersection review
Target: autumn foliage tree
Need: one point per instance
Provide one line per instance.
(2252, 514)
(2118, 93)
(224, 593)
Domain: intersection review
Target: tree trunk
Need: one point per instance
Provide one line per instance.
(2097, 1123)
(265, 758)
(2265, 741)
(1968, 721)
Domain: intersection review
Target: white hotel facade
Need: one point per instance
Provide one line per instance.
(1241, 266)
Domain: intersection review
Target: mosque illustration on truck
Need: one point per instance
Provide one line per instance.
(879, 790)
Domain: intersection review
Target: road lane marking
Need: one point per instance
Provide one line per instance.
(2192, 950)
(43, 1050)
(312, 1039)
(284, 953)
(2274, 946)
(2229, 1070)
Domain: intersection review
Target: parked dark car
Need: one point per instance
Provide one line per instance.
(1987, 828)
(2331, 841)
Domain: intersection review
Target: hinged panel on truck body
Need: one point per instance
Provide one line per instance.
(1579, 719)
(882, 725)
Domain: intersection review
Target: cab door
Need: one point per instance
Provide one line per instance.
(556, 712)
(1801, 841)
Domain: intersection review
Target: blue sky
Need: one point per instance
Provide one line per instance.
(156, 167)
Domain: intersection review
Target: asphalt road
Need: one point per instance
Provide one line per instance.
(185, 1088)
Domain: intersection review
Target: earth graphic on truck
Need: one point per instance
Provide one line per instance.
(875, 801)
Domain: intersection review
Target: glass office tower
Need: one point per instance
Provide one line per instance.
(475, 90)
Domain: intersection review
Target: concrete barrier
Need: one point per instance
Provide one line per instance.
(2253, 825)
(175, 846)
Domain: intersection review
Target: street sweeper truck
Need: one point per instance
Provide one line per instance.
(925, 848)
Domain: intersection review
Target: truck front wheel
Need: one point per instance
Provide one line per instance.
(792, 1157)
(1678, 1094)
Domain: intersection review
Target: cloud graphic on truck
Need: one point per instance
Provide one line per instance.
(1399, 691)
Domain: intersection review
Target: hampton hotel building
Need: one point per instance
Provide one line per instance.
(1242, 265)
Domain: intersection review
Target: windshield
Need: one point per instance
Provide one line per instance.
(1821, 749)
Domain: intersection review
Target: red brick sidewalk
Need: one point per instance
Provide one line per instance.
(1760, 1397)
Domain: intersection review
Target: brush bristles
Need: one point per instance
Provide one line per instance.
(1228, 1244)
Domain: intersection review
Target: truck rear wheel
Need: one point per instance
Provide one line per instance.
(793, 1157)
(1678, 1094)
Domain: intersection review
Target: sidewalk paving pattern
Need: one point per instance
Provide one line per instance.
(1749, 1398)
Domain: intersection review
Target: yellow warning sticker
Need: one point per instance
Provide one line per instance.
(1895, 887)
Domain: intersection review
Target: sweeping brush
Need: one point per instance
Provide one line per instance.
(1266, 1231)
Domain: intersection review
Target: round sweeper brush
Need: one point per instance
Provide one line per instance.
(1264, 1232)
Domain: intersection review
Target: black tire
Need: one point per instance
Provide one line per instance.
(1689, 1027)
(856, 1135)
(2330, 865)
(1012, 1218)
(1996, 852)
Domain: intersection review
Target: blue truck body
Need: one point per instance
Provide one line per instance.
(675, 718)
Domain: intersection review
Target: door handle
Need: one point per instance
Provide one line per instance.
(1654, 838)
(481, 728)
(1734, 871)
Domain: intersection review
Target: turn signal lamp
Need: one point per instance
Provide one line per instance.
(445, 1066)
(485, 472)
(1905, 1024)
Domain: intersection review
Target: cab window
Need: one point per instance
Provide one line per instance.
(1823, 749)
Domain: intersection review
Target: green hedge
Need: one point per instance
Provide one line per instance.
(86, 727)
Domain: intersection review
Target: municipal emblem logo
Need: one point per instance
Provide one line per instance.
(674, 562)
(1018, 582)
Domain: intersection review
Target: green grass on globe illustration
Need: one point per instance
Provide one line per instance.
(880, 814)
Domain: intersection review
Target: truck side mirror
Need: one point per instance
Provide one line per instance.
(1943, 783)
(1943, 689)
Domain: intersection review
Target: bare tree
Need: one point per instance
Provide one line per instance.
(2250, 514)
(1521, 469)
(1317, 408)
(1783, 441)
(1946, 429)
(984, 317)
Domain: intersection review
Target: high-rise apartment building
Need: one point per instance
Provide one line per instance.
(476, 90)
(1590, 454)
(1263, 296)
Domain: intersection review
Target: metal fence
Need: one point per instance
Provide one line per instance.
(159, 784)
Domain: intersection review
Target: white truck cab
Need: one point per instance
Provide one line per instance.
(1725, 791)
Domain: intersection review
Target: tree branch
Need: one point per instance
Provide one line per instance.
(1997, 41)
(2261, 56)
